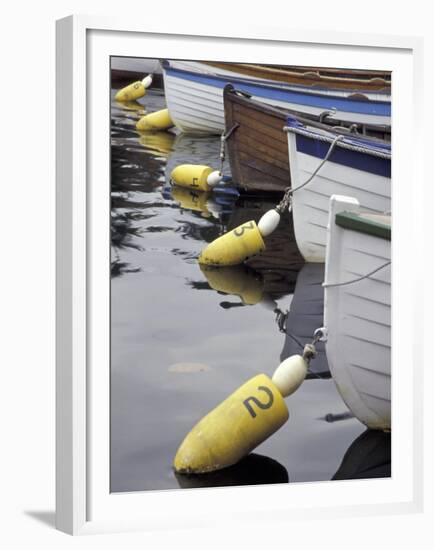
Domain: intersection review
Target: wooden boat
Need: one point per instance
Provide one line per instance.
(258, 149)
(195, 100)
(357, 315)
(358, 166)
(375, 84)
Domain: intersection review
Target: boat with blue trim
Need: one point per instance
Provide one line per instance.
(195, 99)
(258, 148)
(357, 309)
(356, 165)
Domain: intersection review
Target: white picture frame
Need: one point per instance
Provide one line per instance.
(83, 504)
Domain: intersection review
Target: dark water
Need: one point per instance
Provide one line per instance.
(183, 339)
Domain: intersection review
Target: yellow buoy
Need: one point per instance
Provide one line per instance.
(160, 120)
(135, 90)
(234, 428)
(242, 242)
(191, 200)
(194, 176)
(242, 421)
(234, 247)
(236, 280)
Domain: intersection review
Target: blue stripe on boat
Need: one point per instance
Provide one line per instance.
(345, 157)
(352, 139)
(325, 102)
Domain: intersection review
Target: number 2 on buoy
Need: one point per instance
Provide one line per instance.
(256, 401)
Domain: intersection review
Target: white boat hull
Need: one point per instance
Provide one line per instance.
(311, 203)
(357, 317)
(197, 107)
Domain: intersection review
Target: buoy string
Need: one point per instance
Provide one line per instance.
(224, 137)
(286, 201)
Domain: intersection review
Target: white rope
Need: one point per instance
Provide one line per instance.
(284, 203)
(328, 285)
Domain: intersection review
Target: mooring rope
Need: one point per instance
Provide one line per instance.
(286, 201)
(328, 285)
(223, 139)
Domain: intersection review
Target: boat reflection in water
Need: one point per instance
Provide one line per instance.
(369, 456)
(254, 469)
(305, 316)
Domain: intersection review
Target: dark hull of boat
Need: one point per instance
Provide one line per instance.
(258, 148)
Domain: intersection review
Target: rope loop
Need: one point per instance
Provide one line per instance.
(223, 139)
(309, 352)
(286, 201)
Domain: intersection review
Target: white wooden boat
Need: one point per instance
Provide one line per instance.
(370, 84)
(358, 166)
(357, 316)
(195, 99)
(134, 67)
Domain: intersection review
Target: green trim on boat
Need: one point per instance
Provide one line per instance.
(378, 225)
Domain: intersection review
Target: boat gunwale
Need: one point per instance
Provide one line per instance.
(361, 224)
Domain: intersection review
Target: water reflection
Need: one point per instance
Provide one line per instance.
(196, 150)
(135, 106)
(304, 316)
(254, 469)
(239, 280)
(158, 143)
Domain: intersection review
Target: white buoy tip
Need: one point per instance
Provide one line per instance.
(268, 223)
(147, 81)
(290, 374)
(214, 178)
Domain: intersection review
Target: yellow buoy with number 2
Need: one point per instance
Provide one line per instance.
(242, 421)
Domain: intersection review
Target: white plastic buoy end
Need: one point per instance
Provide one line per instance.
(147, 81)
(290, 374)
(214, 178)
(268, 223)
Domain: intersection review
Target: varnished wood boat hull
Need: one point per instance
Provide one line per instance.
(258, 148)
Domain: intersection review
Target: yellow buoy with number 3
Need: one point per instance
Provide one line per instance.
(234, 247)
(242, 242)
(242, 421)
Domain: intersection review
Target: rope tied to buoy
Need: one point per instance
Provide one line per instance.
(223, 139)
(285, 203)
